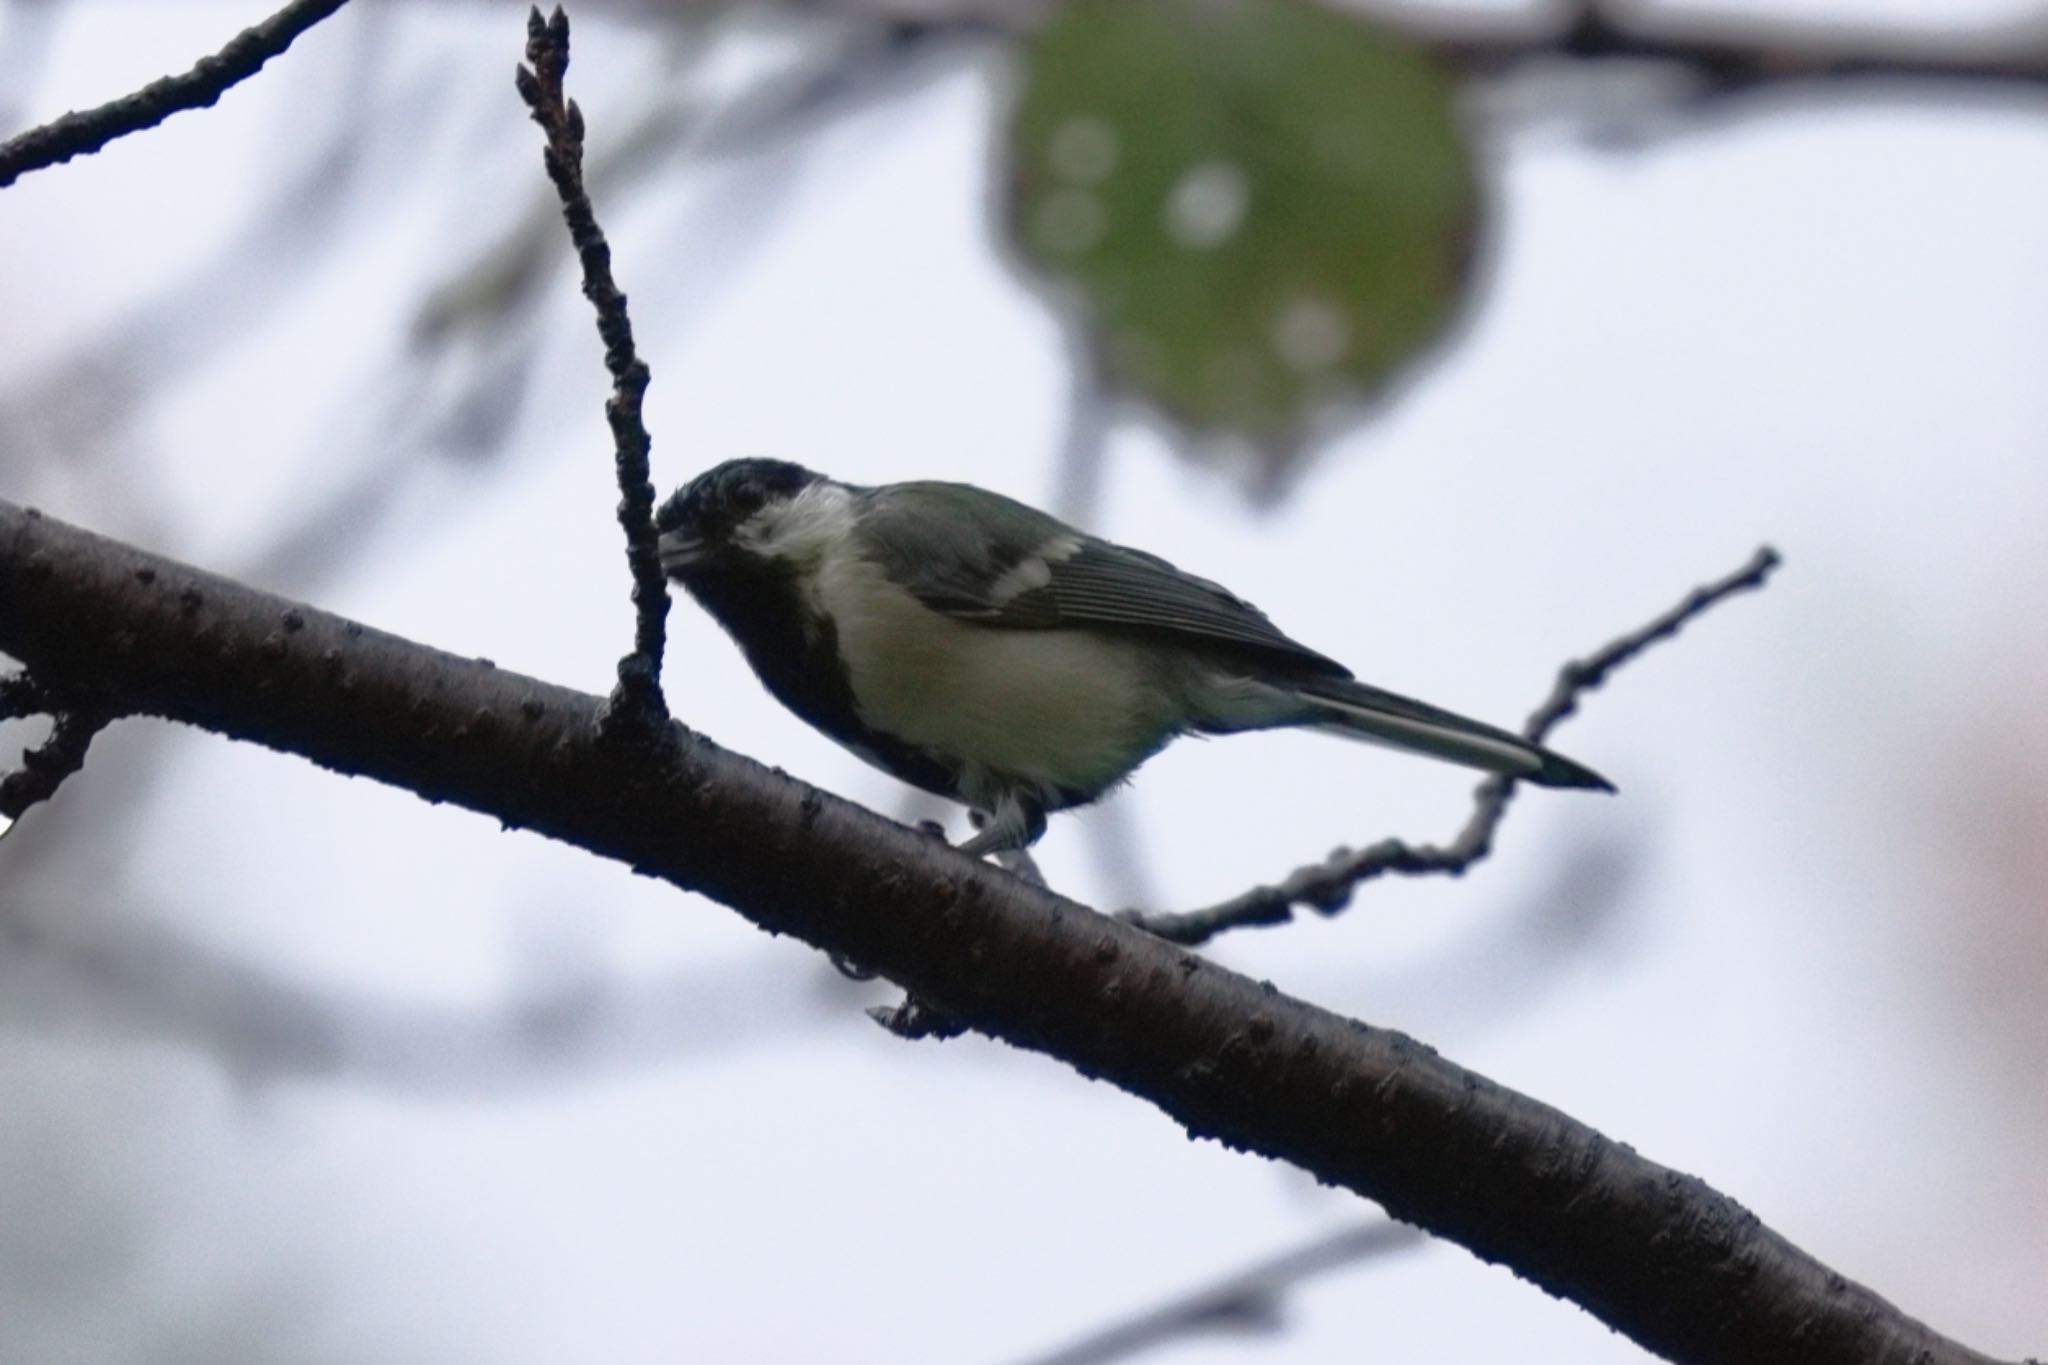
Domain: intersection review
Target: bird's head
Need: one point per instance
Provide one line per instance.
(729, 515)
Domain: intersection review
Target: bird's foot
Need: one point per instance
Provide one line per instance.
(1018, 862)
(1012, 825)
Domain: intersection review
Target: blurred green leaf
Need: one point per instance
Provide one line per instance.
(1267, 205)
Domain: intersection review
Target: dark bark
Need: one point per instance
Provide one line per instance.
(636, 701)
(79, 134)
(1683, 1270)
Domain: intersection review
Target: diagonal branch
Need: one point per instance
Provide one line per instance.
(1735, 57)
(563, 1024)
(1328, 886)
(637, 700)
(44, 767)
(1250, 1299)
(1678, 1267)
(80, 134)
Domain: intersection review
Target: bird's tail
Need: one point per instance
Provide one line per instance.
(1356, 710)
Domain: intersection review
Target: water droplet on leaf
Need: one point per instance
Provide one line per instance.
(1207, 205)
(1311, 335)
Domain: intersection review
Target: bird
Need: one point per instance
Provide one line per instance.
(991, 654)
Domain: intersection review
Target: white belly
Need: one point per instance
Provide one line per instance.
(1068, 709)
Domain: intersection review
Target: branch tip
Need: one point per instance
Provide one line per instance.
(636, 705)
(45, 767)
(1327, 887)
(82, 134)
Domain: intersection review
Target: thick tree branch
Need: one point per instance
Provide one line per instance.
(637, 700)
(79, 134)
(1683, 1270)
(1328, 886)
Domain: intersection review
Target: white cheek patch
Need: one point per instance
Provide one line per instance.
(801, 530)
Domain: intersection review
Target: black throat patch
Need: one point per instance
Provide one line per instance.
(794, 650)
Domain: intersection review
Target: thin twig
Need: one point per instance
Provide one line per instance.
(637, 701)
(1251, 1299)
(1328, 886)
(44, 768)
(62, 753)
(80, 134)
(87, 396)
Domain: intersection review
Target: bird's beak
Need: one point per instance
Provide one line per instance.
(678, 550)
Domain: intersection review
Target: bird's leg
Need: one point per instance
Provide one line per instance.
(1015, 823)
(1018, 862)
(990, 837)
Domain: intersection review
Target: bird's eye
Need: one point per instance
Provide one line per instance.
(745, 499)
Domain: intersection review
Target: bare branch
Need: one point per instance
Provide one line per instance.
(637, 700)
(562, 1023)
(62, 753)
(1681, 1269)
(44, 768)
(1328, 886)
(80, 134)
(1248, 1300)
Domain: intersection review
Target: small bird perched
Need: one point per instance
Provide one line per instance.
(989, 653)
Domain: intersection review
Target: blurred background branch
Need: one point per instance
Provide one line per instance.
(1734, 55)
(569, 1022)
(1250, 1302)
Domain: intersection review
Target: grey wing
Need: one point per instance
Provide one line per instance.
(961, 550)
(982, 557)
